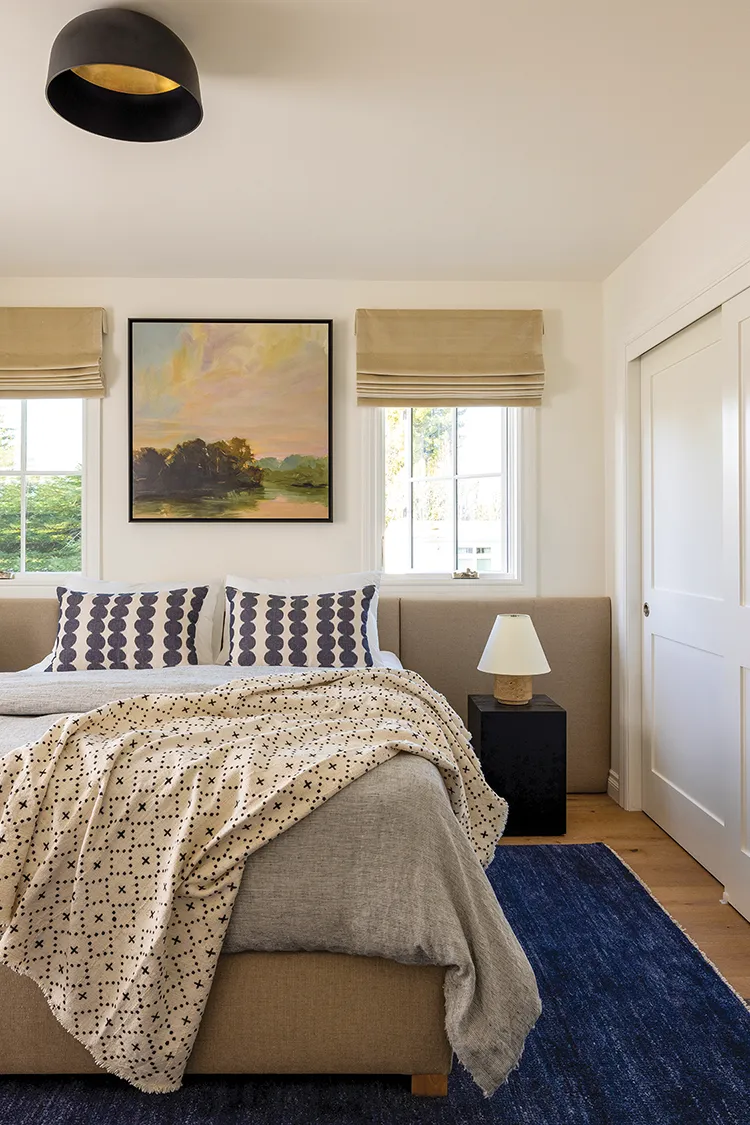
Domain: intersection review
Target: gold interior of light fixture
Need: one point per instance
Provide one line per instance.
(125, 79)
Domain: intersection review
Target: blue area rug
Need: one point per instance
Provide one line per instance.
(637, 1030)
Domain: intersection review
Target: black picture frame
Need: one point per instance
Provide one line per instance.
(132, 325)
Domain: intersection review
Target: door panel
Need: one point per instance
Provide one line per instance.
(684, 723)
(736, 321)
(685, 700)
(687, 476)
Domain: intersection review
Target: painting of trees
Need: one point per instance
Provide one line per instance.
(194, 468)
(230, 419)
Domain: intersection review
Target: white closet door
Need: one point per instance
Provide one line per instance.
(736, 332)
(688, 754)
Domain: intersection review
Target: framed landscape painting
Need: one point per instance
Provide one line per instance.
(230, 420)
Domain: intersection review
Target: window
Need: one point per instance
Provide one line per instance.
(451, 490)
(41, 463)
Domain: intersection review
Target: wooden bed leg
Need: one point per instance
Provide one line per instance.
(429, 1085)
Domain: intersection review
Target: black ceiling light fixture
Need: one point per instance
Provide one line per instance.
(123, 74)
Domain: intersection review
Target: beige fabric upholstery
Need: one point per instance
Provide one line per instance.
(444, 641)
(270, 1013)
(27, 631)
(389, 626)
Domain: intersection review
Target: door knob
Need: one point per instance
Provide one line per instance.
(646, 609)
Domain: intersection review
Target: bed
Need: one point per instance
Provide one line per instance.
(284, 1001)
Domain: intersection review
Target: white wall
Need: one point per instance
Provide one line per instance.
(702, 242)
(697, 259)
(570, 481)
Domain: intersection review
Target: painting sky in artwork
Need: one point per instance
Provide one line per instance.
(266, 382)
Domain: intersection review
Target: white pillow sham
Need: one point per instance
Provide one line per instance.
(309, 587)
(208, 626)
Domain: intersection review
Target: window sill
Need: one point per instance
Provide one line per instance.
(439, 585)
(40, 584)
(450, 580)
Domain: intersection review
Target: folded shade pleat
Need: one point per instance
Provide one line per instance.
(449, 357)
(51, 352)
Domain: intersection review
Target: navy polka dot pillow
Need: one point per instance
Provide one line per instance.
(300, 631)
(99, 631)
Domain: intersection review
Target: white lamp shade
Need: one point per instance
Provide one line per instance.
(513, 648)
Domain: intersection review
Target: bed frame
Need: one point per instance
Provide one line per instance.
(330, 1013)
(273, 1013)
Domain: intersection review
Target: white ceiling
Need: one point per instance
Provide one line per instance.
(466, 139)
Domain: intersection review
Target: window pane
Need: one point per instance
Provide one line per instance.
(432, 442)
(481, 525)
(481, 439)
(396, 550)
(53, 523)
(10, 434)
(54, 439)
(10, 523)
(433, 526)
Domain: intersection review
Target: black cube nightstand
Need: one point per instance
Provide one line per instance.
(522, 751)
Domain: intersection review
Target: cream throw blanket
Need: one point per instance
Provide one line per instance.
(124, 832)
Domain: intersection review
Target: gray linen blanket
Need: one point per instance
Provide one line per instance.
(383, 868)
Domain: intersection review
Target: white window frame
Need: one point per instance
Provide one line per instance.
(91, 550)
(522, 584)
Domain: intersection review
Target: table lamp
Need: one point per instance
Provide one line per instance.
(513, 655)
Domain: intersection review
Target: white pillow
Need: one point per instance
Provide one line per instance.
(208, 628)
(309, 587)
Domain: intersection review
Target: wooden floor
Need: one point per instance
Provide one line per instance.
(682, 886)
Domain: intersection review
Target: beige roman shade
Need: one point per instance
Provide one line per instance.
(449, 357)
(51, 353)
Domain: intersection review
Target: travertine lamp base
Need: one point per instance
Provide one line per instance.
(513, 689)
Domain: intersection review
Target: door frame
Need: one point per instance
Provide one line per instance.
(625, 530)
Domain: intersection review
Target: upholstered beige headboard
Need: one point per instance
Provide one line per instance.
(27, 631)
(442, 640)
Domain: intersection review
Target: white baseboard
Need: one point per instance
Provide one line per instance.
(613, 786)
